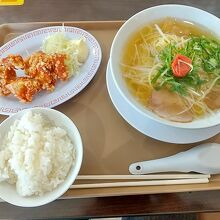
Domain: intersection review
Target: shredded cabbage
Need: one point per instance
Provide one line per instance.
(59, 43)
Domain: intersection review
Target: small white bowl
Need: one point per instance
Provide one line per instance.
(8, 192)
(197, 16)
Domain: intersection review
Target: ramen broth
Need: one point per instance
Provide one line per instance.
(149, 69)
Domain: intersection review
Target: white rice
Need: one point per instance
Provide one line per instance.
(35, 155)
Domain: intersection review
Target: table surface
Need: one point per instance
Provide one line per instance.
(76, 10)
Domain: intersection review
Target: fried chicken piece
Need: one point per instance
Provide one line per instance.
(24, 88)
(7, 75)
(3, 90)
(40, 66)
(60, 68)
(15, 61)
(42, 71)
(7, 72)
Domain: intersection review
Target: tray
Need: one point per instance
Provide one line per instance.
(110, 143)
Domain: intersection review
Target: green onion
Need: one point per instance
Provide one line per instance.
(205, 56)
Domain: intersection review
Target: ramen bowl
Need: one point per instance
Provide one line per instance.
(185, 13)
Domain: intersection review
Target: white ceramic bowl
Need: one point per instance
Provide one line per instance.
(8, 192)
(197, 16)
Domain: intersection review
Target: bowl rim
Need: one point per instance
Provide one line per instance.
(131, 100)
(72, 174)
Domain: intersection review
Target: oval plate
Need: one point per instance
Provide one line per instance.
(31, 42)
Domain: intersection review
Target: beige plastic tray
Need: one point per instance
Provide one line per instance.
(110, 143)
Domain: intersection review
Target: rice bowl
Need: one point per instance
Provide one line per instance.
(36, 189)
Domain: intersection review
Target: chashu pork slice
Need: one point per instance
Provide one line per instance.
(212, 100)
(169, 105)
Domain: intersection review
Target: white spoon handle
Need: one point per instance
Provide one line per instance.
(173, 163)
(202, 159)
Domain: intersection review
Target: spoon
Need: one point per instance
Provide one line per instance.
(204, 158)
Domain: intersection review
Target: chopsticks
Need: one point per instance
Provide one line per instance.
(139, 183)
(143, 177)
(144, 180)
